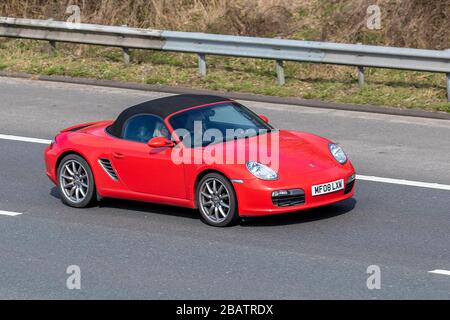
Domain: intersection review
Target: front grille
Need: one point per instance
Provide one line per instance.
(289, 198)
(107, 166)
(349, 186)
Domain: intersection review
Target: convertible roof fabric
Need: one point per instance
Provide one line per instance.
(162, 107)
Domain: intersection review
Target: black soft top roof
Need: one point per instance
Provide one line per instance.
(162, 107)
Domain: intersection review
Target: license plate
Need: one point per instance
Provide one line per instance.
(327, 187)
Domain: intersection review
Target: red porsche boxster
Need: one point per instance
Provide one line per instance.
(198, 151)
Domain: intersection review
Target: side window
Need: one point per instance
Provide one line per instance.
(142, 128)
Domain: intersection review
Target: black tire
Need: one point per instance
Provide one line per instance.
(89, 197)
(220, 202)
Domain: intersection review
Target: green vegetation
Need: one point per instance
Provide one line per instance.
(402, 89)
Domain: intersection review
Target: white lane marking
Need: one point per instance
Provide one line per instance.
(405, 182)
(9, 213)
(24, 139)
(359, 177)
(440, 271)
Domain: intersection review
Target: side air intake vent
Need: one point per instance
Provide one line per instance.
(107, 166)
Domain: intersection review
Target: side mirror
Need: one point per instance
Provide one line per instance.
(160, 142)
(264, 118)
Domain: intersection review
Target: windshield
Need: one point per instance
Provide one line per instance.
(217, 123)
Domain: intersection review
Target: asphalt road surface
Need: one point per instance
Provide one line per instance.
(136, 250)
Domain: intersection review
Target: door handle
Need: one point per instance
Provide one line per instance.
(118, 155)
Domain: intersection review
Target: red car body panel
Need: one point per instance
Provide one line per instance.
(149, 174)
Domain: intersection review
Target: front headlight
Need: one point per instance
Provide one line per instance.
(338, 153)
(261, 171)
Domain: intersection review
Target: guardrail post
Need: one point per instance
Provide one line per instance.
(280, 72)
(361, 76)
(126, 55)
(52, 48)
(448, 87)
(360, 73)
(202, 64)
(126, 51)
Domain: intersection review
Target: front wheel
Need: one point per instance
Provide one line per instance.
(76, 182)
(216, 200)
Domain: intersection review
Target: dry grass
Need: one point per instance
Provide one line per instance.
(405, 23)
(410, 23)
(239, 16)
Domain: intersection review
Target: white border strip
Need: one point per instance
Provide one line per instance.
(405, 182)
(24, 139)
(440, 271)
(10, 213)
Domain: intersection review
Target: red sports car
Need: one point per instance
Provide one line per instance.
(198, 151)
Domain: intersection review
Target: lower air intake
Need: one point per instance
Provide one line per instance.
(287, 198)
(349, 186)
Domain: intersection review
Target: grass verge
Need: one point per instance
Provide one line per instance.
(402, 89)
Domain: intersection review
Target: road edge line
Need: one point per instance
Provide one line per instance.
(404, 182)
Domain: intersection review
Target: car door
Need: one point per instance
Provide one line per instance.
(143, 169)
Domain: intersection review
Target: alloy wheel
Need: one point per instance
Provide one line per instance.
(74, 181)
(214, 200)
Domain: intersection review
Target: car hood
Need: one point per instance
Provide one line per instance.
(302, 153)
(290, 153)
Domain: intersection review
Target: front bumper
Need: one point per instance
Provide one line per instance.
(255, 196)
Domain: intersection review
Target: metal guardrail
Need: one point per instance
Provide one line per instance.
(204, 44)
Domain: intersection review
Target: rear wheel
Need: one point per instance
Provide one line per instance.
(216, 200)
(76, 182)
